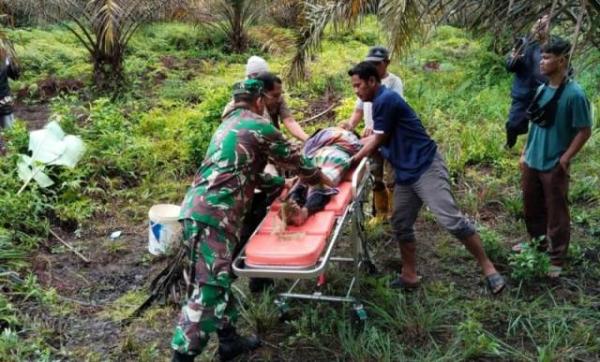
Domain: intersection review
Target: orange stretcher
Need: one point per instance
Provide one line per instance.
(303, 252)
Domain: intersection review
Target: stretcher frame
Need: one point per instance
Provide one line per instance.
(361, 257)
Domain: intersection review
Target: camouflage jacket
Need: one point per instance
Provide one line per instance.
(224, 185)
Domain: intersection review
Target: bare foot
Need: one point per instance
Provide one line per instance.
(299, 217)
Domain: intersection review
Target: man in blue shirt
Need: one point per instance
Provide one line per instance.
(555, 138)
(421, 176)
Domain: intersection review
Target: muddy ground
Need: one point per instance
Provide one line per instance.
(91, 291)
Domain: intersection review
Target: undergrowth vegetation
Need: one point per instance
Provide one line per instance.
(144, 146)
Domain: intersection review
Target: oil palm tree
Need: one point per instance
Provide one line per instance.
(507, 18)
(406, 20)
(233, 18)
(104, 28)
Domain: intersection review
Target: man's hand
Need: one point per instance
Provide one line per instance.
(326, 180)
(287, 186)
(345, 125)
(354, 161)
(367, 132)
(565, 163)
(515, 55)
(522, 161)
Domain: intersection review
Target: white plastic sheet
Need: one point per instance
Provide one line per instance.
(49, 146)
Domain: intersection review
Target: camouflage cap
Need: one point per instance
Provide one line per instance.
(248, 86)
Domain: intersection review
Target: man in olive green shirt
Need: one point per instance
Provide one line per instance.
(276, 108)
(560, 126)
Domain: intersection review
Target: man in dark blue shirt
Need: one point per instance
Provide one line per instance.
(421, 176)
(524, 62)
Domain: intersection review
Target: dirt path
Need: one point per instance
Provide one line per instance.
(35, 115)
(91, 292)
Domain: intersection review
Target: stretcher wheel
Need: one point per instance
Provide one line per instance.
(370, 268)
(284, 310)
(358, 316)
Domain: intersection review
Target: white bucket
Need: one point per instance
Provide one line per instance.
(164, 228)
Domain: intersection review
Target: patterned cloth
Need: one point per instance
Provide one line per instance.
(212, 215)
(331, 149)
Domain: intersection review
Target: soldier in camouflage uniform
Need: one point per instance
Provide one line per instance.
(212, 214)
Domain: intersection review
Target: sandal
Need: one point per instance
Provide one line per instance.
(495, 283)
(402, 284)
(554, 271)
(519, 247)
(540, 243)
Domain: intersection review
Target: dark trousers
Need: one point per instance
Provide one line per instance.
(253, 218)
(518, 123)
(545, 201)
(313, 203)
(517, 117)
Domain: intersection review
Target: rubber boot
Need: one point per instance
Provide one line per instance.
(180, 357)
(380, 199)
(232, 344)
(390, 194)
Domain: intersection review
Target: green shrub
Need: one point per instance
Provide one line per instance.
(199, 129)
(492, 243)
(8, 315)
(22, 215)
(530, 263)
(476, 341)
(345, 109)
(585, 189)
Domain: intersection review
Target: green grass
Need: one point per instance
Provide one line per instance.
(144, 146)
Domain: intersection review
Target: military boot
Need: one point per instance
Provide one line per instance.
(232, 344)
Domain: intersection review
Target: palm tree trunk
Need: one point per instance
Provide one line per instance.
(109, 73)
(238, 42)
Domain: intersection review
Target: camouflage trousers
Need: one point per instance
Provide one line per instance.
(210, 305)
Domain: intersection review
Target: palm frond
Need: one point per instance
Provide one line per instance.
(505, 19)
(107, 23)
(404, 20)
(318, 15)
(6, 47)
(233, 18)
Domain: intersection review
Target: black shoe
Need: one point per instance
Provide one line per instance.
(232, 344)
(179, 357)
(258, 285)
(511, 139)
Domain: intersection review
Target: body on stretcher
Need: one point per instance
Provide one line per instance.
(302, 251)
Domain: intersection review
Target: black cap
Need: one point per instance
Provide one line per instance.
(377, 54)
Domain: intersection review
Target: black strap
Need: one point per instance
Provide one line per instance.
(548, 110)
(556, 95)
